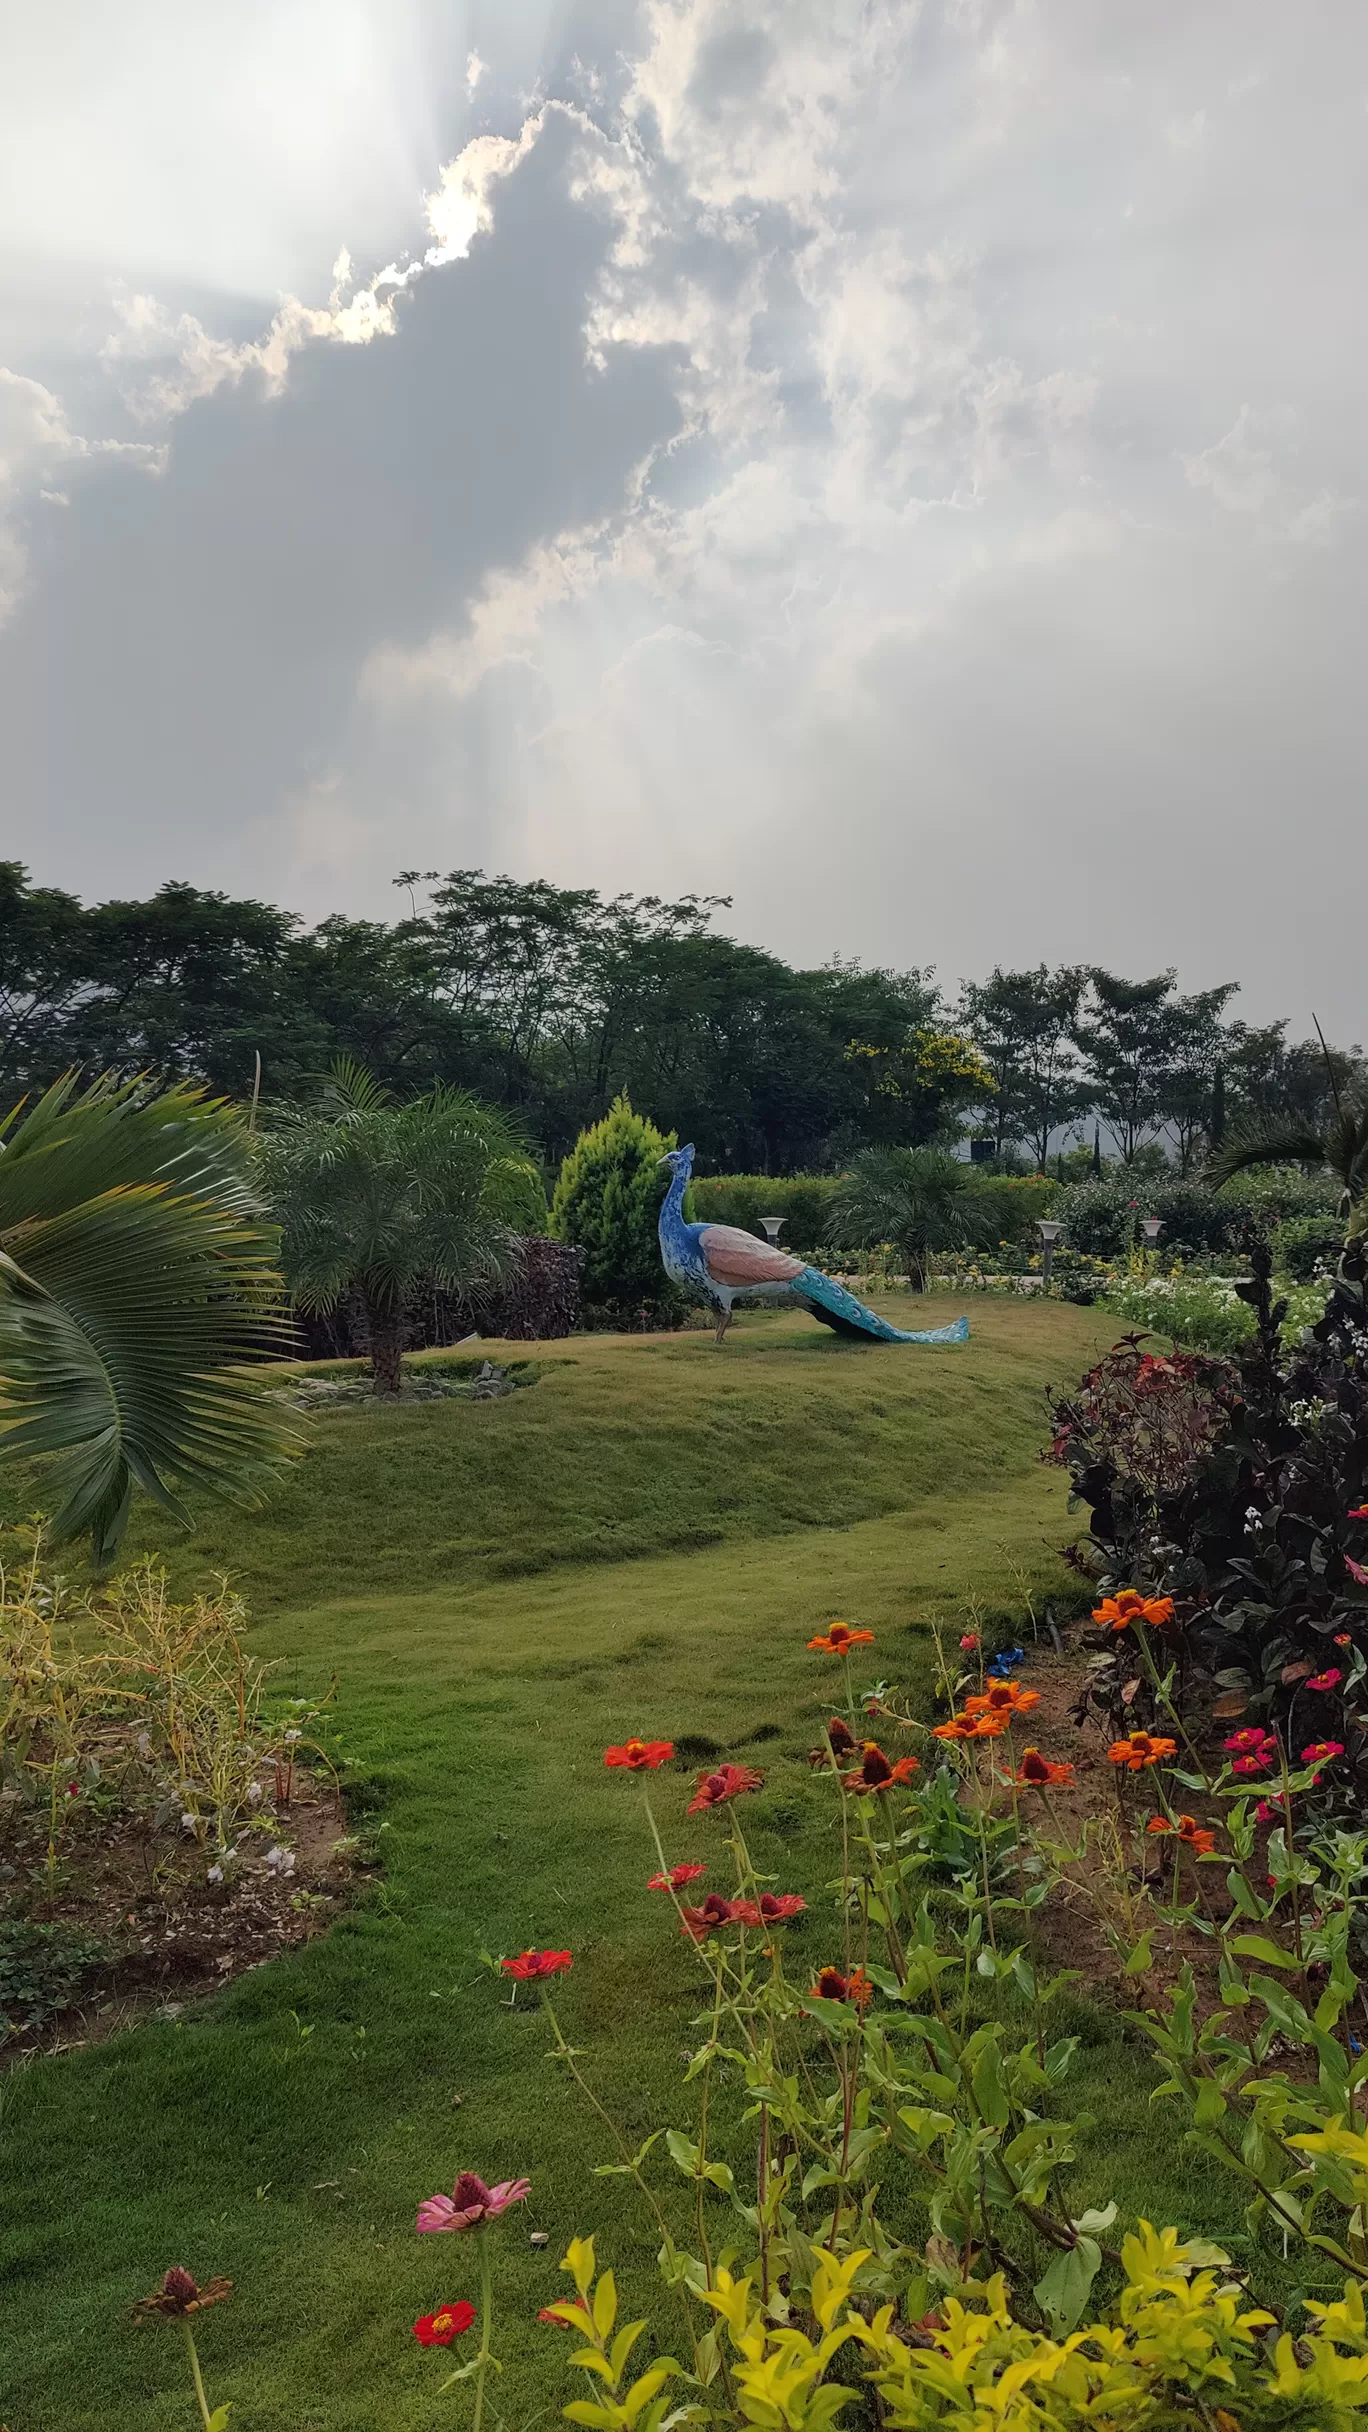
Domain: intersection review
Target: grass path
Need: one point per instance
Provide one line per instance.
(284, 2133)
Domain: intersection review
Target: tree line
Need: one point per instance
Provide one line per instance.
(549, 1002)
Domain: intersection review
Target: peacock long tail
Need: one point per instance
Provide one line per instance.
(839, 1309)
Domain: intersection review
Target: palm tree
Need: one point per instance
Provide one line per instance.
(1340, 1150)
(920, 1199)
(137, 1268)
(374, 1198)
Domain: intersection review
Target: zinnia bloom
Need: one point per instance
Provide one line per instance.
(711, 1916)
(179, 2295)
(777, 1907)
(536, 1963)
(1040, 1773)
(470, 2203)
(1129, 1605)
(840, 1638)
(1326, 1680)
(839, 1740)
(439, 2329)
(1257, 1761)
(1343, 1638)
(1266, 1814)
(1356, 1571)
(970, 1641)
(677, 1877)
(1248, 1741)
(637, 1755)
(1003, 1697)
(1321, 1751)
(1188, 1830)
(1359, 1512)
(1139, 1749)
(970, 1727)
(831, 1985)
(729, 1782)
(875, 1772)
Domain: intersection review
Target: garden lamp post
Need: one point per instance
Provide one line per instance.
(1049, 1232)
(772, 1225)
(1151, 1227)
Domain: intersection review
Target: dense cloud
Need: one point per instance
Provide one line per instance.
(901, 466)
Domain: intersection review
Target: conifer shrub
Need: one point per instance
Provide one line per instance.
(606, 1204)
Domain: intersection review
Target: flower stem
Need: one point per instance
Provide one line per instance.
(486, 2326)
(205, 2417)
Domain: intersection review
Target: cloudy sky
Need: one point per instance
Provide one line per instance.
(902, 466)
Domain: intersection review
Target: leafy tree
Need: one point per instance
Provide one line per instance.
(607, 1203)
(44, 969)
(913, 1092)
(1338, 1148)
(376, 1198)
(1137, 1038)
(920, 1199)
(1022, 1023)
(137, 1268)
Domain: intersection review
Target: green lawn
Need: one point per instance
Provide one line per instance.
(464, 1570)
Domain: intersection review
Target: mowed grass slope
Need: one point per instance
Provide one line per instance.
(633, 1445)
(284, 2133)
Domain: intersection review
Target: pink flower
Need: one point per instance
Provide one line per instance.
(1249, 1741)
(1264, 1813)
(470, 2203)
(1356, 1571)
(677, 1877)
(1326, 1680)
(1359, 1512)
(969, 1641)
(1321, 1751)
(1253, 1764)
(775, 1907)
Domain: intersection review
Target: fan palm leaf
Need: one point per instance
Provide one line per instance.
(136, 1269)
(919, 1198)
(1341, 1150)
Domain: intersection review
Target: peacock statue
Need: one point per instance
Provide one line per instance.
(727, 1265)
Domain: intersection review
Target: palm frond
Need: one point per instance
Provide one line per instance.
(136, 1268)
(1244, 1150)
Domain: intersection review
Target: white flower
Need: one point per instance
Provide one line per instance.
(279, 1860)
(254, 1794)
(188, 1823)
(215, 1874)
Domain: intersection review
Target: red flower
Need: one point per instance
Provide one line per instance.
(969, 1641)
(841, 1736)
(1326, 1680)
(1359, 1512)
(180, 2295)
(1343, 1638)
(1040, 1773)
(636, 1755)
(1265, 1814)
(439, 2329)
(970, 1727)
(1258, 1761)
(875, 1771)
(1249, 1741)
(536, 1963)
(840, 1638)
(729, 1782)
(677, 1877)
(777, 1907)
(709, 1917)
(1356, 1571)
(1321, 1751)
(831, 1985)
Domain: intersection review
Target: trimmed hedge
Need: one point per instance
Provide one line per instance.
(807, 1201)
(1103, 1217)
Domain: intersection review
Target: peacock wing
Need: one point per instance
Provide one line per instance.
(742, 1259)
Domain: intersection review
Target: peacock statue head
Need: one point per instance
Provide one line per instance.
(680, 1160)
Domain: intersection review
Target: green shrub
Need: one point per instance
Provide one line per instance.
(607, 1204)
(42, 1970)
(803, 1200)
(1205, 1311)
(1103, 1217)
(1304, 1243)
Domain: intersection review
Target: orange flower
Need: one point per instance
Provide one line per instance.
(637, 1755)
(840, 1638)
(1187, 1830)
(1139, 1749)
(1040, 1773)
(971, 1727)
(1129, 1605)
(1003, 1697)
(831, 1985)
(876, 1773)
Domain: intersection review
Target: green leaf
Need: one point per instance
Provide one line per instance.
(1063, 2291)
(1258, 1946)
(990, 2087)
(1141, 1959)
